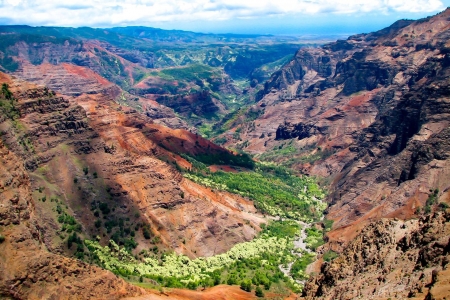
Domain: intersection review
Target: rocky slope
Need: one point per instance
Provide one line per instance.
(189, 72)
(27, 269)
(114, 171)
(390, 259)
(73, 80)
(368, 114)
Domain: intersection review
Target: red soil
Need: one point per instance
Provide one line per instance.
(83, 72)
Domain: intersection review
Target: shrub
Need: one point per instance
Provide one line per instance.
(104, 208)
(246, 285)
(443, 205)
(328, 224)
(329, 255)
(98, 223)
(259, 292)
(6, 92)
(2, 238)
(146, 233)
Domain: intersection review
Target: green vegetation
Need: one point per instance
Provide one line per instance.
(120, 229)
(275, 190)
(299, 266)
(280, 151)
(432, 200)
(329, 255)
(246, 285)
(69, 224)
(328, 224)
(288, 154)
(314, 238)
(7, 103)
(249, 264)
(227, 158)
(6, 92)
(188, 73)
(259, 292)
(2, 238)
(75, 239)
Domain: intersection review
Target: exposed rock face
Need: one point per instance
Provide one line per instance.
(370, 114)
(72, 80)
(390, 259)
(200, 103)
(27, 269)
(178, 209)
(95, 151)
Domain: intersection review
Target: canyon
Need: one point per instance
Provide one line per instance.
(116, 160)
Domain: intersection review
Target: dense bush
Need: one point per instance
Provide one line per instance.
(227, 158)
(299, 266)
(246, 285)
(314, 238)
(259, 292)
(275, 192)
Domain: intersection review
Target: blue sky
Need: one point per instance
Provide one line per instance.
(294, 17)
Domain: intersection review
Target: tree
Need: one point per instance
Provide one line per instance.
(246, 285)
(6, 92)
(259, 292)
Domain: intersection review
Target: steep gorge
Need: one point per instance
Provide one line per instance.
(103, 160)
(368, 114)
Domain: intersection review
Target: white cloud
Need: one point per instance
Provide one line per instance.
(126, 12)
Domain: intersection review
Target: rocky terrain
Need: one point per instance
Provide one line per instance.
(27, 269)
(101, 157)
(390, 259)
(368, 114)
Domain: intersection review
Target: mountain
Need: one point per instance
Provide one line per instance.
(199, 76)
(119, 177)
(368, 114)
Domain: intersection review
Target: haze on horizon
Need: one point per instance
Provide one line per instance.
(291, 17)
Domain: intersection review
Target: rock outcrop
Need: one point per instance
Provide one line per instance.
(390, 259)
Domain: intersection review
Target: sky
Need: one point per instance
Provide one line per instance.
(291, 17)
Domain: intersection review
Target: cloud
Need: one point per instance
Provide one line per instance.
(141, 12)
